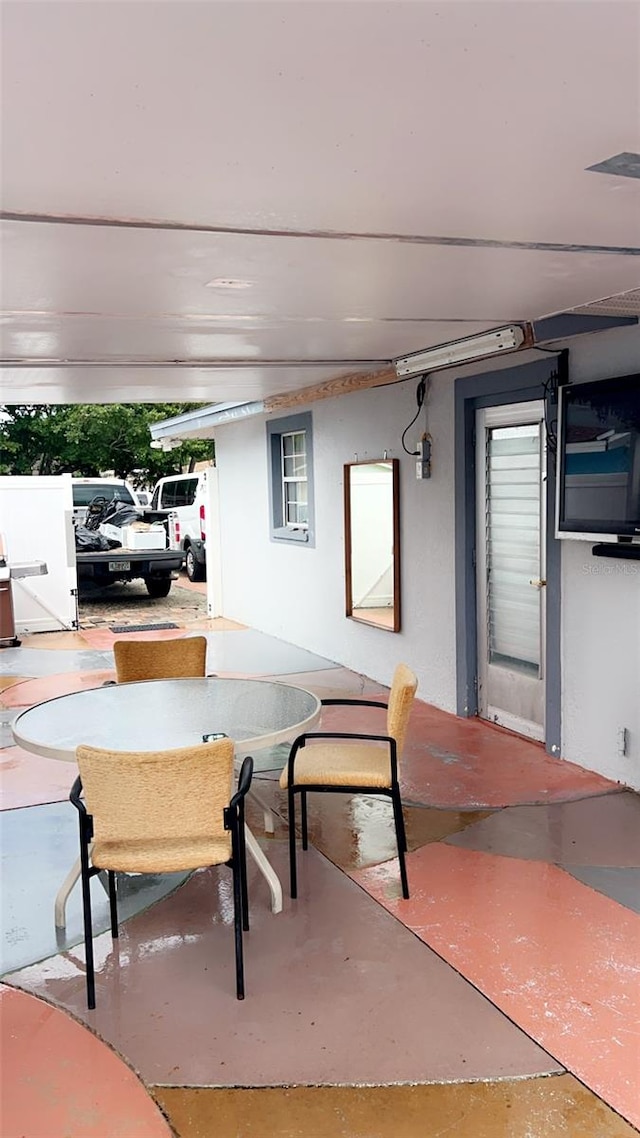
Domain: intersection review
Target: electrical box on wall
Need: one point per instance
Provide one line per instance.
(423, 463)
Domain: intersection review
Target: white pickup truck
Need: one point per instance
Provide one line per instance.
(158, 567)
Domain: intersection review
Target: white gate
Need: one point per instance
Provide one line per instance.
(36, 519)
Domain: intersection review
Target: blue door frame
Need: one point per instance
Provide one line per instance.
(536, 380)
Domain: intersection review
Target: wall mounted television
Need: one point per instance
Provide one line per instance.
(598, 486)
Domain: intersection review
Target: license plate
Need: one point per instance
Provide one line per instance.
(117, 566)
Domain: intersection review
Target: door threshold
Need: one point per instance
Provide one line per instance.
(514, 723)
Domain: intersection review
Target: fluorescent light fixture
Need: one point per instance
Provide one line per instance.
(463, 351)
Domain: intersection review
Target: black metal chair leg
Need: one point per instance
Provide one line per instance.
(303, 818)
(237, 912)
(292, 844)
(86, 912)
(243, 868)
(404, 832)
(113, 904)
(399, 815)
(401, 839)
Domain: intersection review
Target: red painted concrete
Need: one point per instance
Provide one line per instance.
(29, 780)
(469, 764)
(60, 1080)
(562, 961)
(38, 690)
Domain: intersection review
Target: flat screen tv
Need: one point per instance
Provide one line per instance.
(598, 491)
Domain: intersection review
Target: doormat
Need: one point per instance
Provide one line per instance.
(142, 627)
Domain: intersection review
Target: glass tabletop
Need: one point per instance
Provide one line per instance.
(162, 714)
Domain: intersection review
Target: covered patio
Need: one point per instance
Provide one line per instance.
(264, 208)
(499, 999)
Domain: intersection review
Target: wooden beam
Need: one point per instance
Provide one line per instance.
(342, 385)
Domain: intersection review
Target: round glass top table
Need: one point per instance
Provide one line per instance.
(157, 715)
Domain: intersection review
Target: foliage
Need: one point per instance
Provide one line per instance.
(86, 439)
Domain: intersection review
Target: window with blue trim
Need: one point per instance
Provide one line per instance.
(290, 453)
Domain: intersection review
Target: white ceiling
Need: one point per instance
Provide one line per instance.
(383, 176)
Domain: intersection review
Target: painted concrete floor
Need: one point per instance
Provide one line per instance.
(500, 1000)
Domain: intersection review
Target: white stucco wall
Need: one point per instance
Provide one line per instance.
(601, 614)
(601, 661)
(296, 592)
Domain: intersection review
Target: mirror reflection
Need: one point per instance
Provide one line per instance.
(372, 542)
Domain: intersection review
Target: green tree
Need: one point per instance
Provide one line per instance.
(86, 438)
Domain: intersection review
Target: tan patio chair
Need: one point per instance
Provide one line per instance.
(161, 812)
(350, 762)
(160, 659)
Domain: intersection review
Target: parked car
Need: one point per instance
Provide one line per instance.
(184, 496)
(113, 489)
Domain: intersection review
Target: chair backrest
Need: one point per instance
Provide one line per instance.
(160, 659)
(157, 796)
(403, 690)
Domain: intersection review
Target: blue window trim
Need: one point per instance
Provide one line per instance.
(276, 428)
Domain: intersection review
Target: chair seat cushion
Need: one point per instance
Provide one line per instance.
(341, 764)
(158, 856)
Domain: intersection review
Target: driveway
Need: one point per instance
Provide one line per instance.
(129, 603)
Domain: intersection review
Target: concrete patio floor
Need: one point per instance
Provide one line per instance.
(501, 999)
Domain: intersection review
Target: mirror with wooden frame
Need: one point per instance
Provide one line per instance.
(372, 542)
